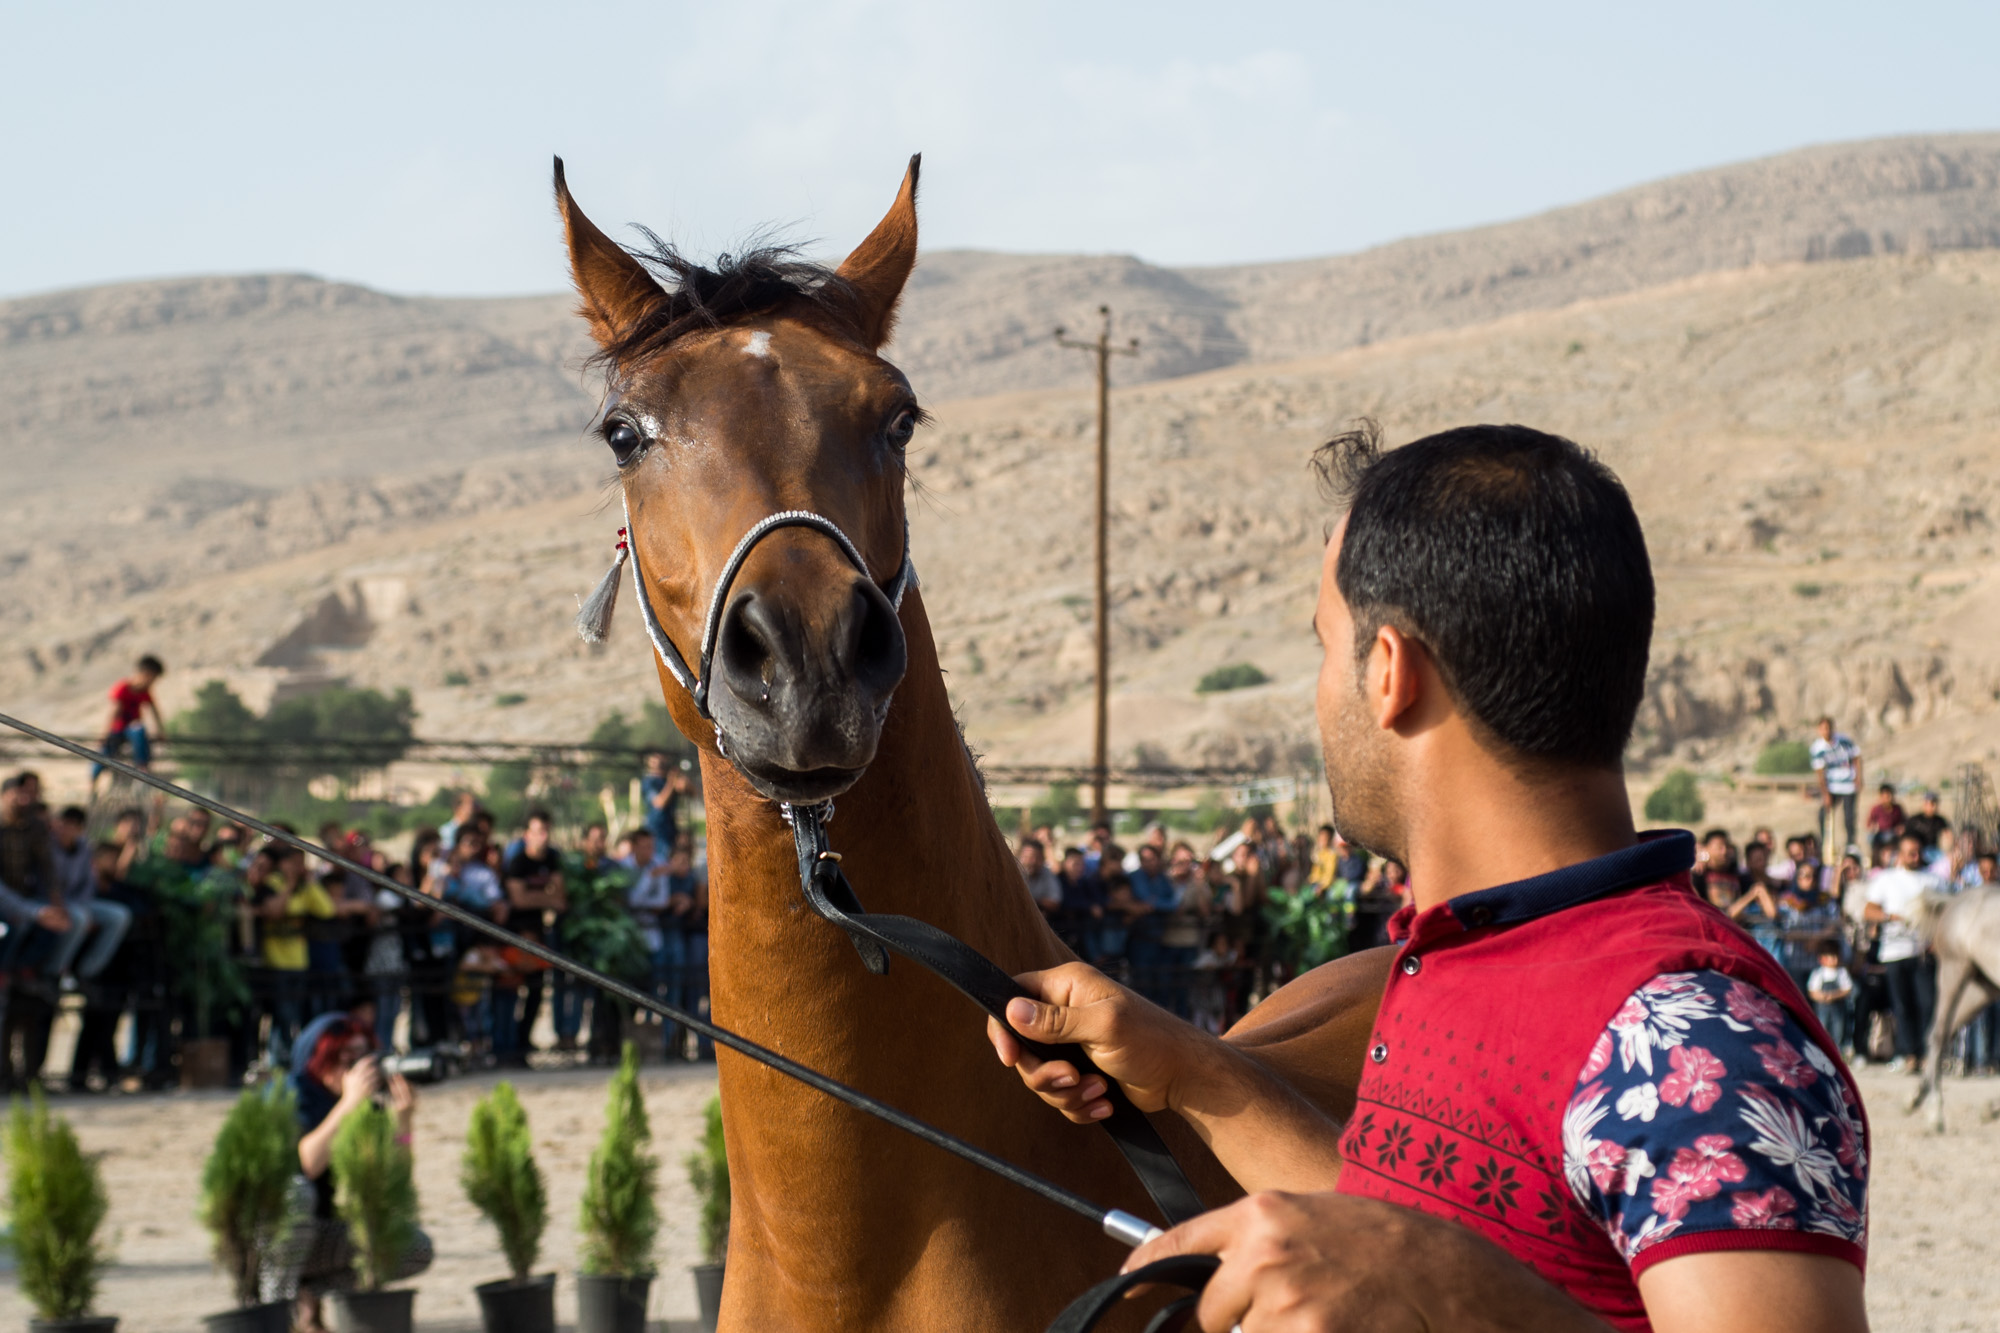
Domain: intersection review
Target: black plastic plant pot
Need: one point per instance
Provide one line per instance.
(83, 1323)
(518, 1307)
(708, 1293)
(270, 1317)
(373, 1311)
(609, 1304)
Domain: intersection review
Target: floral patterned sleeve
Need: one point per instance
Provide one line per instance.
(1707, 1118)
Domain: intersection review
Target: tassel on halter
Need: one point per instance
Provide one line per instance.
(593, 614)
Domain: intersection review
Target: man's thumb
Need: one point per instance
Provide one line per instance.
(1044, 1022)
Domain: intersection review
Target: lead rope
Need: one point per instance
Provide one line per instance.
(1120, 1226)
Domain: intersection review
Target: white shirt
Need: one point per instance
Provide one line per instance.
(1896, 891)
(1835, 758)
(1830, 981)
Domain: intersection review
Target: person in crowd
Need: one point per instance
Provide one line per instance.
(94, 919)
(1083, 923)
(131, 701)
(31, 905)
(1325, 871)
(335, 1072)
(1182, 931)
(1101, 851)
(1154, 896)
(1716, 869)
(463, 807)
(465, 879)
(1929, 823)
(284, 899)
(661, 789)
(691, 877)
(1755, 907)
(533, 881)
(660, 900)
(1805, 913)
(1885, 818)
(1155, 836)
(1831, 991)
(1892, 900)
(1836, 764)
(1043, 886)
(427, 946)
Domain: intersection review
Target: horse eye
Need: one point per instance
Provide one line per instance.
(903, 427)
(624, 439)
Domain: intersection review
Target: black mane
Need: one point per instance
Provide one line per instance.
(761, 277)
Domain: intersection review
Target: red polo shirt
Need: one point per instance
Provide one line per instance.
(1596, 1070)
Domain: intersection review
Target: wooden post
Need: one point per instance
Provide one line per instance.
(1103, 351)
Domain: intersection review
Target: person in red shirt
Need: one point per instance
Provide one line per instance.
(1588, 1100)
(131, 700)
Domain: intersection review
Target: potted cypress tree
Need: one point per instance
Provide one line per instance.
(620, 1218)
(708, 1172)
(499, 1175)
(375, 1194)
(56, 1197)
(246, 1202)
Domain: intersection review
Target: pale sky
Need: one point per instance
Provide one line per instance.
(407, 145)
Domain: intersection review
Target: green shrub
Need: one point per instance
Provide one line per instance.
(374, 1193)
(620, 1218)
(708, 1172)
(1235, 676)
(1677, 800)
(1807, 589)
(500, 1177)
(1058, 810)
(246, 1184)
(56, 1197)
(456, 679)
(1306, 926)
(509, 700)
(1785, 757)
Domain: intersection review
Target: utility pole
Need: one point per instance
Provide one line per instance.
(1102, 349)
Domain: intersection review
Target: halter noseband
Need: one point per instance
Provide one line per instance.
(594, 618)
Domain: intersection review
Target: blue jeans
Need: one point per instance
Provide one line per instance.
(567, 1006)
(696, 972)
(108, 922)
(135, 736)
(1837, 1019)
(505, 1001)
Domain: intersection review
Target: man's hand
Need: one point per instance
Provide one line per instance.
(1308, 1263)
(52, 916)
(1258, 1126)
(1139, 1044)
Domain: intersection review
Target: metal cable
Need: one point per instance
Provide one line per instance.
(860, 1101)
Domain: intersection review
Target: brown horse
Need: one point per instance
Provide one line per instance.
(738, 392)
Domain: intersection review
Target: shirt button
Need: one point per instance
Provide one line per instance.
(1412, 965)
(1379, 1052)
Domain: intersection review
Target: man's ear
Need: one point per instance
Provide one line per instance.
(880, 265)
(615, 289)
(1394, 676)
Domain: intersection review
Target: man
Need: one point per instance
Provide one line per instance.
(1928, 824)
(131, 700)
(661, 790)
(1043, 886)
(1563, 1121)
(1836, 762)
(1154, 898)
(89, 914)
(533, 879)
(1892, 901)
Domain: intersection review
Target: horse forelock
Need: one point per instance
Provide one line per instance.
(754, 281)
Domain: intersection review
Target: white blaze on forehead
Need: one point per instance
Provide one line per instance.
(759, 344)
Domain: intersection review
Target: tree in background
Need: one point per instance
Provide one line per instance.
(620, 1218)
(501, 1179)
(246, 1184)
(1677, 800)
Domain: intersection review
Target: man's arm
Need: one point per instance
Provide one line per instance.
(1335, 1261)
(1261, 1129)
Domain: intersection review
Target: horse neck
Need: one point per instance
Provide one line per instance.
(915, 835)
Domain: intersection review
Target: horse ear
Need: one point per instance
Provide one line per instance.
(880, 265)
(615, 288)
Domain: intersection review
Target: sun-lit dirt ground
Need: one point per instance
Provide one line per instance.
(1934, 1266)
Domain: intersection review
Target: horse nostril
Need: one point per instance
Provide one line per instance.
(877, 653)
(746, 648)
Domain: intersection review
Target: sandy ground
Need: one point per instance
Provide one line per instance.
(1934, 1265)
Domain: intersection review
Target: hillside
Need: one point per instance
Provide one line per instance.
(1811, 446)
(281, 479)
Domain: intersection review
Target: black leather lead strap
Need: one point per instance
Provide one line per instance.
(1191, 1271)
(981, 980)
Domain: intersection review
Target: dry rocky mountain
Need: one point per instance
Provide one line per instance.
(1795, 364)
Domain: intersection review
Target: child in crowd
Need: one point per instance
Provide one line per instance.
(1830, 989)
(131, 700)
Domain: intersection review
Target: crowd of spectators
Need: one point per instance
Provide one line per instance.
(177, 929)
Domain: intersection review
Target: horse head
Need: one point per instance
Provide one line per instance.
(737, 393)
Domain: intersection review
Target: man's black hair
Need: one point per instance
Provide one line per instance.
(547, 820)
(73, 814)
(1515, 558)
(1715, 833)
(152, 664)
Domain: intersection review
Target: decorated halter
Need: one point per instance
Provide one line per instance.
(593, 617)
